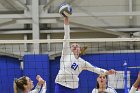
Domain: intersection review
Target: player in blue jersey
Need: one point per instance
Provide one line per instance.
(71, 65)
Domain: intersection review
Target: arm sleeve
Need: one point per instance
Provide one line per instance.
(89, 67)
(36, 90)
(66, 44)
(132, 90)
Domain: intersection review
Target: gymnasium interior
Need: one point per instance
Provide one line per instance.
(32, 32)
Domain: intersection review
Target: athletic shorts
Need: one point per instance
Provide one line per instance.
(62, 89)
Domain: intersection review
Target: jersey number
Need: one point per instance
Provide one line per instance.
(74, 66)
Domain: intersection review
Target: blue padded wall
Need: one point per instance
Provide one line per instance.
(40, 64)
(54, 68)
(107, 61)
(9, 69)
(37, 65)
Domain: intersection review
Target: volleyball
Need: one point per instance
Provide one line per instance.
(65, 10)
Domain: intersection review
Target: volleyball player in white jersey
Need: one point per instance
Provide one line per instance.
(71, 65)
(135, 85)
(25, 84)
(102, 87)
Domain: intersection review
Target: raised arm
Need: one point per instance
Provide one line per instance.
(39, 84)
(44, 88)
(95, 69)
(135, 85)
(66, 45)
(88, 66)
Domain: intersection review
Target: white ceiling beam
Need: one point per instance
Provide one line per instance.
(41, 31)
(96, 14)
(13, 4)
(9, 22)
(16, 32)
(17, 2)
(49, 44)
(7, 4)
(125, 29)
(26, 21)
(108, 14)
(136, 34)
(35, 25)
(70, 40)
(130, 9)
(48, 4)
(98, 29)
(2, 16)
(62, 31)
(57, 15)
(25, 45)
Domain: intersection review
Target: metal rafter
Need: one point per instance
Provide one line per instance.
(99, 29)
(12, 21)
(17, 2)
(57, 15)
(7, 4)
(48, 4)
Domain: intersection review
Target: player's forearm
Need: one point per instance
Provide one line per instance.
(66, 28)
(66, 20)
(95, 69)
(136, 84)
(66, 45)
(100, 70)
(67, 31)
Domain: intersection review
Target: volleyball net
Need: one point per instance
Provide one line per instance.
(107, 53)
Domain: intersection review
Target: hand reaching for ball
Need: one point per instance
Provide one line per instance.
(40, 80)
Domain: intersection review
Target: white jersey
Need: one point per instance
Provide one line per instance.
(70, 67)
(133, 90)
(37, 90)
(107, 90)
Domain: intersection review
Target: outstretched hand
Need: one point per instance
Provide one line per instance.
(40, 80)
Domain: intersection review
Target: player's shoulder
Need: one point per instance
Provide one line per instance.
(81, 59)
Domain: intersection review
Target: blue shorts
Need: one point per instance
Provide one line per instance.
(62, 89)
